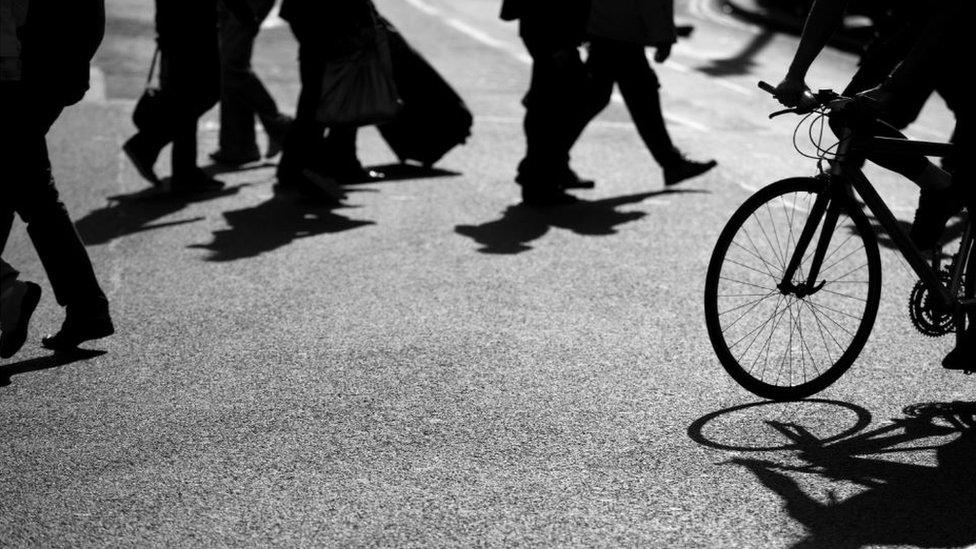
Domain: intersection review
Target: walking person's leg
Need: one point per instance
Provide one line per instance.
(303, 141)
(640, 89)
(191, 81)
(552, 112)
(35, 198)
(243, 95)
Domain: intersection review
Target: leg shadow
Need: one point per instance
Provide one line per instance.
(127, 214)
(272, 224)
(520, 224)
(45, 363)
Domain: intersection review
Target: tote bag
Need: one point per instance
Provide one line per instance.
(358, 90)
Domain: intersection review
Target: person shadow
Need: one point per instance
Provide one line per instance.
(274, 223)
(743, 62)
(521, 224)
(47, 362)
(898, 503)
(127, 214)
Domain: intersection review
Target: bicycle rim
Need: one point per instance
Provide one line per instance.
(781, 346)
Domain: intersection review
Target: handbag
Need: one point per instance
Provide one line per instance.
(150, 108)
(358, 89)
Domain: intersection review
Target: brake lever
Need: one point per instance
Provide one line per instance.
(782, 112)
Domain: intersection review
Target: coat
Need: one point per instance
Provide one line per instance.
(646, 22)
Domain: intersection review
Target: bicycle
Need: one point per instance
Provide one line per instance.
(794, 282)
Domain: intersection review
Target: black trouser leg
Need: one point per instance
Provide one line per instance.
(640, 89)
(242, 94)
(33, 195)
(553, 105)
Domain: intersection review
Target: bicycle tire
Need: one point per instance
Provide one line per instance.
(722, 262)
(969, 285)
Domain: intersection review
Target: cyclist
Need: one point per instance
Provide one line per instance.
(929, 59)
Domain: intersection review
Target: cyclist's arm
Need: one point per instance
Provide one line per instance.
(822, 21)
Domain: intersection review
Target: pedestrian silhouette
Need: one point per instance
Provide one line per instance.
(311, 164)
(242, 95)
(619, 31)
(45, 49)
(554, 112)
(189, 87)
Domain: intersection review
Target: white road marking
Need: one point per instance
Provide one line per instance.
(96, 86)
(424, 7)
(518, 54)
(273, 20)
(705, 10)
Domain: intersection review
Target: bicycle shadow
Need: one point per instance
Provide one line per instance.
(898, 503)
(521, 224)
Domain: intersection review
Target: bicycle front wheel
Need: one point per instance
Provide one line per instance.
(784, 345)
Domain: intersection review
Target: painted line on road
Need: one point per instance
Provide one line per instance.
(705, 9)
(484, 38)
(598, 123)
(96, 86)
(273, 20)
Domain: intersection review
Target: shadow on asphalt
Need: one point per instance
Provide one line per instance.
(45, 363)
(521, 224)
(272, 224)
(214, 170)
(127, 214)
(895, 503)
(743, 62)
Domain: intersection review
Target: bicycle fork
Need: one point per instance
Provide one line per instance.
(826, 209)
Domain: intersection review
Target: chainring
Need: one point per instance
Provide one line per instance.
(929, 319)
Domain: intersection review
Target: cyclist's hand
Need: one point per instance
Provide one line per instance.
(793, 92)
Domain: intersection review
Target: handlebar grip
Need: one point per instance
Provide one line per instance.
(768, 88)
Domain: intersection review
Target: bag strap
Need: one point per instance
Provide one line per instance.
(152, 67)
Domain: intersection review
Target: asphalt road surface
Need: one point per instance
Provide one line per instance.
(434, 365)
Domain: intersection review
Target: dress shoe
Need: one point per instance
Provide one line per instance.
(684, 169)
(546, 197)
(195, 181)
(19, 302)
(143, 156)
(571, 180)
(78, 328)
(963, 357)
(226, 159)
(358, 175)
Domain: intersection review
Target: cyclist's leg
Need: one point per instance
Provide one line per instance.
(964, 355)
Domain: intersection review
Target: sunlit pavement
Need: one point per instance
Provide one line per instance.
(433, 364)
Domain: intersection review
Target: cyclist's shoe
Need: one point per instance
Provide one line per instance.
(935, 208)
(963, 357)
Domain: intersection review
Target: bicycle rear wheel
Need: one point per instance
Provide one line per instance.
(780, 345)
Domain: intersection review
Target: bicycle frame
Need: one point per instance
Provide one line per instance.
(839, 179)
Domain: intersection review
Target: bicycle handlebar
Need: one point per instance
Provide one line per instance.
(809, 101)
